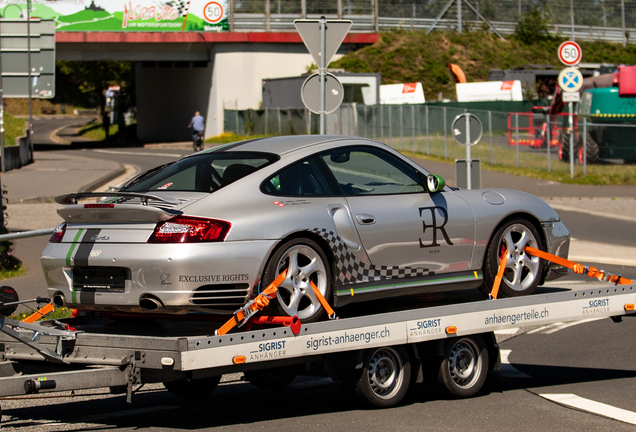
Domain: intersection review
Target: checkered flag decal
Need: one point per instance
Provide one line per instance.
(354, 270)
(395, 272)
(180, 5)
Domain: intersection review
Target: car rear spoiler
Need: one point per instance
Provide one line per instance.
(73, 198)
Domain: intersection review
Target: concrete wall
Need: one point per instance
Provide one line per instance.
(239, 70)
(168, 94)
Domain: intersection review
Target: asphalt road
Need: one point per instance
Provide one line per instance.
(592, 360)
(56, 130)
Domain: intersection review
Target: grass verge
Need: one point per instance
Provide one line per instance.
(59, 313)
(229, 137)
(95, 131)
(19, 270)
(503, 158)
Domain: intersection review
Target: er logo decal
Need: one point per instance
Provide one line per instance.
(435, 224)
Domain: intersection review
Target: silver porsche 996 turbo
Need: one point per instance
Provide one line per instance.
(351, 215)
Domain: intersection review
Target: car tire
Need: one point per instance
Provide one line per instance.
(385, 376)
(270, 379)
(192, 388)
(523, 272)
(307, 262)
(464, 366)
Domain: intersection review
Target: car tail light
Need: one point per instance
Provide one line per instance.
(58, 234)
(186, 229)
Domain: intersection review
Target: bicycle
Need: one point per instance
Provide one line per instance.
(197, 142)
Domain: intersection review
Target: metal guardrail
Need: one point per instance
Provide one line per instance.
(366, 24)
(26, 234)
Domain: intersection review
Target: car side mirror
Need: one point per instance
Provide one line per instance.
(435, 183)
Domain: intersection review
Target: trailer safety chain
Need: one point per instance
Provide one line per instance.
(592, 272)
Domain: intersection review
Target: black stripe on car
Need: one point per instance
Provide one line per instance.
(85, 247)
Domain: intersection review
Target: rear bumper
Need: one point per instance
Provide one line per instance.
(223, 275)
(558, 243)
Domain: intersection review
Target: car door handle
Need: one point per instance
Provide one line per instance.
(365, 219)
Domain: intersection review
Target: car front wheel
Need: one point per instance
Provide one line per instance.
(523, 272)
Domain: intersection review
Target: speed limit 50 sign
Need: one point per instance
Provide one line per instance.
(570, 53)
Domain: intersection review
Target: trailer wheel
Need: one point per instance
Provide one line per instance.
(385, 377)
(271, 379)
(306, 262)
(464, 366)
(523, 272)
(192, 388)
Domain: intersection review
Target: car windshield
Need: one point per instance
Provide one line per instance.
(201, 173)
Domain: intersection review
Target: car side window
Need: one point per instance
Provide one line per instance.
(368, 171)
(300, 179)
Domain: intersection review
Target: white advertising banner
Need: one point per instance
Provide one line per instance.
(400, 94)
(489, 91)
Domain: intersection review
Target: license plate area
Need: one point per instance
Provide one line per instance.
(100, 278)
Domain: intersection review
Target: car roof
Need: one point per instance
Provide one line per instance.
(285, 144)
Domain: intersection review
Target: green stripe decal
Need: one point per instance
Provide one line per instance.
(68, 260)
(403, 284)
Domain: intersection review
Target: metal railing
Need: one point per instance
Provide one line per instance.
(610, 20)
(509, 139)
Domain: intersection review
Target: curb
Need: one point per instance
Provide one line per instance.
(102, 181)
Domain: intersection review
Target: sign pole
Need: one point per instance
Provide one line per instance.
(571, 121)
(30, 140)
(469, 184)
(322, 67)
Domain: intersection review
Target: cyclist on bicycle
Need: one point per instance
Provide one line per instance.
(198, 125)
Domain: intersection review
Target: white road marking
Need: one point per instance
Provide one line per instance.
(553, 328)
(507, 331)
(588, 405)
(508, 370)
(558, 206)
(601, 253)
(138, 153)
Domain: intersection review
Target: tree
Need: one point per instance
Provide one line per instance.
(532, 26)
(96, 76)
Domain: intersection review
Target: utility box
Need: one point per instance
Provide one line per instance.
(461, 177)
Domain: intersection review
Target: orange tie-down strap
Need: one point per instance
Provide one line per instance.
(258, 304)
(500, 272)
(579, 268)
(323, 301)
(40, 313)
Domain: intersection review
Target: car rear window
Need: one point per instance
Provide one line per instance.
(200, 173)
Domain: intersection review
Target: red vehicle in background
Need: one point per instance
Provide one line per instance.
(533, 126)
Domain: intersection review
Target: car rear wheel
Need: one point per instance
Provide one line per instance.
(306, 263)
(523, 272)
(464, 366)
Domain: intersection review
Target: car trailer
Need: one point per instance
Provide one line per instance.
(451, 345)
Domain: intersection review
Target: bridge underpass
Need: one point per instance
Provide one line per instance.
(180, 73)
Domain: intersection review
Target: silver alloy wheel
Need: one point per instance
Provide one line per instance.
(295, 295)
(385, 373)
(464, 363)
(521, 269)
